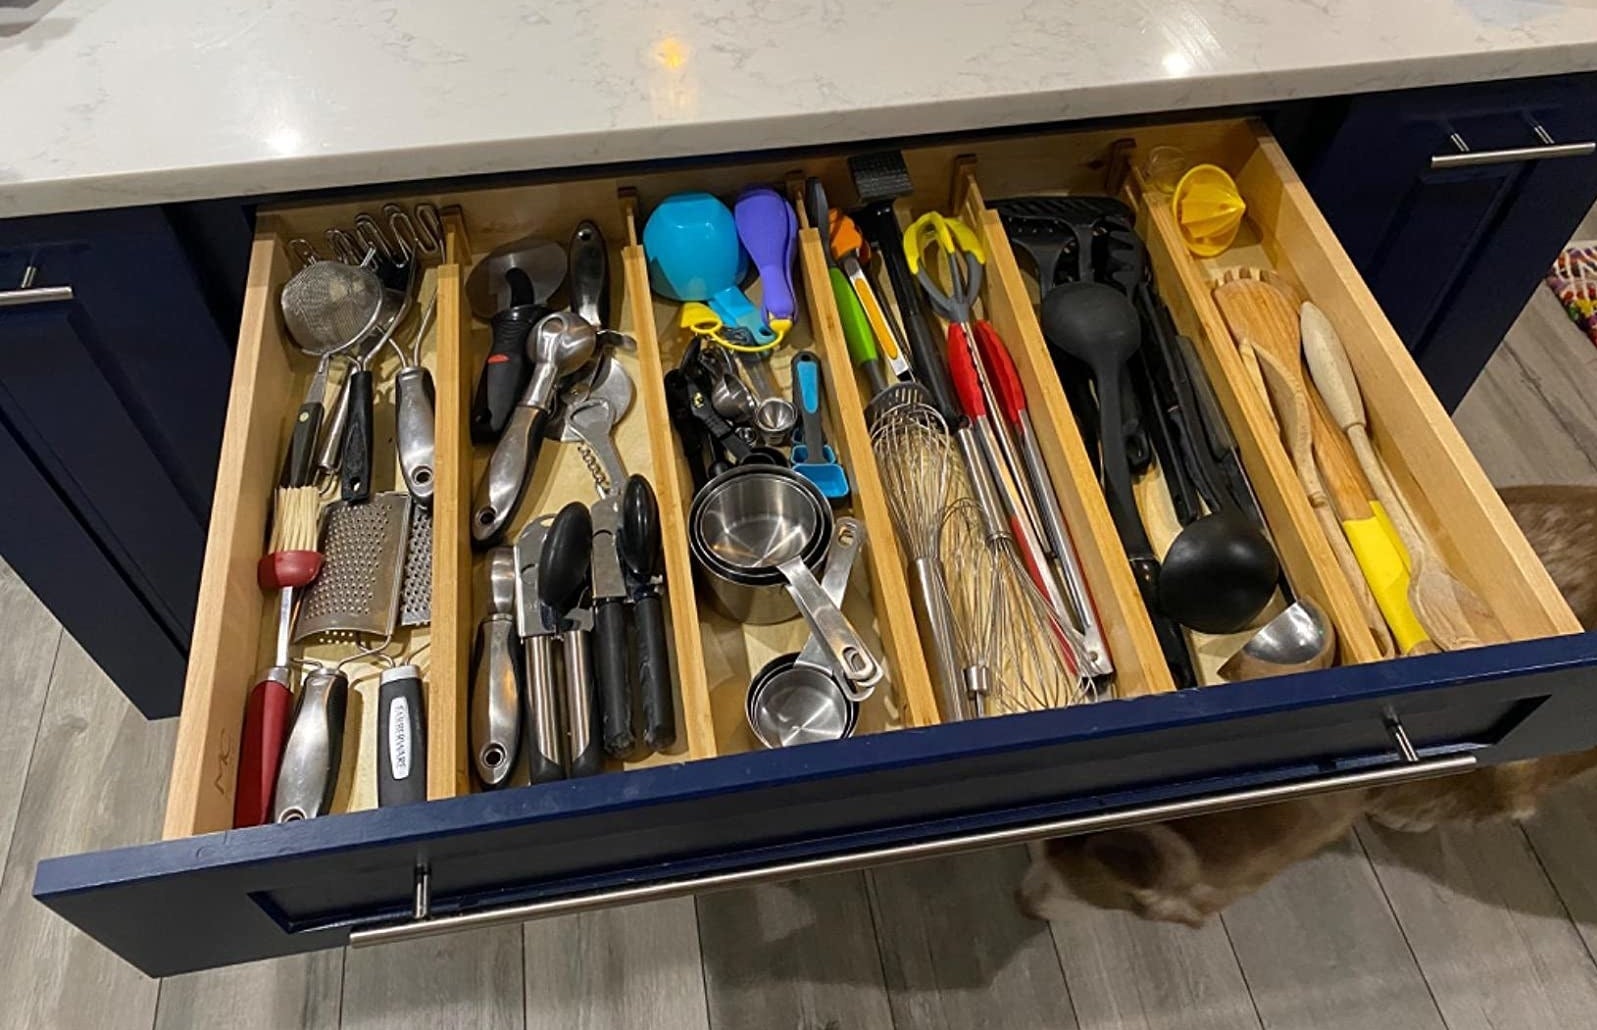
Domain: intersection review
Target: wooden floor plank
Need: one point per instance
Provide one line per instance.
(1320, 949)
(957, 953)
(298, 992)
(1563, 833)
(1484, 884)
(637, 966)
(31, 638)
(96, 780)
(1126, 973)
(799, 954)
(471, 979)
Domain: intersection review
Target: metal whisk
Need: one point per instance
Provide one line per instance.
(1016, 654)
(921, 472)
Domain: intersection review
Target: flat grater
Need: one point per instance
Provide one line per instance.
(363, 553)
(416, 584)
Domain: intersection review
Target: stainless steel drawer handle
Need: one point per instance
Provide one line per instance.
(1548, 148)
(1403, 771)
(35, 295)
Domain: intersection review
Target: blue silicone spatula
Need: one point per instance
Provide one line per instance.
(813, 458)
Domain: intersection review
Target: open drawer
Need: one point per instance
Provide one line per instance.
(713, 810)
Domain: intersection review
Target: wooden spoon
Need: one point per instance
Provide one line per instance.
(1290, 400)
(1453, 614)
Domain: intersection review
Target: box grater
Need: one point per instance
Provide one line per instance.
(416, 585)
(363, 554)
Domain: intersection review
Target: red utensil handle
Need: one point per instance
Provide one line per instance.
(962, 370)
(266, 716)
(1001, 372)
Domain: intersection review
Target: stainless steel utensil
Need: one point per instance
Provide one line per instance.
(308, 775)
(848, 541)
(774, 415)
(766, 521)
(540, 638)
(1299, 639)
(357, 591)
(920, 471)
(591, 423)
(416, 579)
(745, 502)
(790, 704)
(558, 345)
(413, 414)
(509, 289)
(564, 584)
(497, 676)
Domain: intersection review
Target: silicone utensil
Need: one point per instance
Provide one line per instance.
(768, 227)
(813, 459)
(850, 250)
(694, 254)
(856, 327)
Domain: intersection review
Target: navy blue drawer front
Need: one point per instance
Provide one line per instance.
(113, 387)
(225, 898)
(1452, 254)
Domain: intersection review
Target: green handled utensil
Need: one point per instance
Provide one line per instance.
(856, 327)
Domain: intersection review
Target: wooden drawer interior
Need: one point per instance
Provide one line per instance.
(712, 656)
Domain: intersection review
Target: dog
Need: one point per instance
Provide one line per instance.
(1185, 870)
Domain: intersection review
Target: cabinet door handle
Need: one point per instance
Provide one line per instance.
(1406, 769)
(34, 295)
(1547, 149)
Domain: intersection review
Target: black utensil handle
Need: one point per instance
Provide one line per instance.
(880, 226)
(401, 738)
(654, 673)
(504, 372)
(589, 287)
(1163, 432)
(355, 470)
(1117, 475)
(1172, 643)
(611, 678)
(300, 464)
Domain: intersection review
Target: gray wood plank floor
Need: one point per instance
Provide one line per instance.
(1487, 928)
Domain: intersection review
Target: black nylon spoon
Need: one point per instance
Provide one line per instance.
(1098, 325)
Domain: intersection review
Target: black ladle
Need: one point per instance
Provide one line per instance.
(1221, 570)
(1098, 325)
(638, 544)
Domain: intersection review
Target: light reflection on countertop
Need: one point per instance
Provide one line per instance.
(113, 102)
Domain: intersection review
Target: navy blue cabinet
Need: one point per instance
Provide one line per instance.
(113, 390)
(1453, 203)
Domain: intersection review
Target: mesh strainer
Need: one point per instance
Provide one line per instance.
(330, 305)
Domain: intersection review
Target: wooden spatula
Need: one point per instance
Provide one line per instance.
(1290, 399)
(1261, 309)
(1453, 614)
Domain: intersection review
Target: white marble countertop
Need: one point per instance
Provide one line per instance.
(116, 102)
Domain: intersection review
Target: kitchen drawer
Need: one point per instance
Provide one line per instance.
(715, 811)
